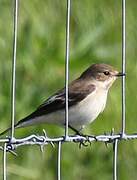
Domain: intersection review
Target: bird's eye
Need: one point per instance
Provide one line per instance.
(106, 73)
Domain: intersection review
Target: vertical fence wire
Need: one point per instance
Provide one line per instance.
(13, 86)
(123, 65)
(115, 145)
(4, 162)
(115, 154)
(67, 64)
(59, 161)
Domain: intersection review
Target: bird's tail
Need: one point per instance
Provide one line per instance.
(9, 129)
(19, 124)
(4, 132)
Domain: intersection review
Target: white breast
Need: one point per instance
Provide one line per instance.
(88, 110)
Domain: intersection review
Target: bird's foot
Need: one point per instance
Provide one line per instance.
(87, 140)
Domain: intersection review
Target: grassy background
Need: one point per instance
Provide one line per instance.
(95, 38)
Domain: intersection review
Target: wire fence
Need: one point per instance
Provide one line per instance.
(10, 144)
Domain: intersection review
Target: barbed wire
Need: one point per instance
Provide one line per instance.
(45, 140)
(10, 144)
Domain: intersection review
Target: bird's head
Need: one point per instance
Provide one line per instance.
(102, 73)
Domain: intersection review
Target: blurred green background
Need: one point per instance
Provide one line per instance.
(95, 38)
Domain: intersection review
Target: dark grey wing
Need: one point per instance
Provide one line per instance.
(77, 92)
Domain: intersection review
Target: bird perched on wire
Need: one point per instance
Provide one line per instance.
(87, 96)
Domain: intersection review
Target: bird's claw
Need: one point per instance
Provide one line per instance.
(87, 141)
(82, 143)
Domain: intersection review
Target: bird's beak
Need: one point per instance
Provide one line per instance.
(120, 74)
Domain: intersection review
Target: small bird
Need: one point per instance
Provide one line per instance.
(87, 96)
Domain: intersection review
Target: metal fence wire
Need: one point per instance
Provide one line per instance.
(12, 143)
